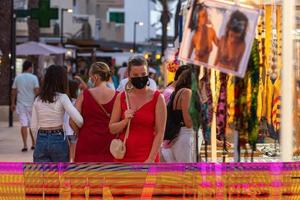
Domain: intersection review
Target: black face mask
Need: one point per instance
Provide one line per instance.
(140, 82)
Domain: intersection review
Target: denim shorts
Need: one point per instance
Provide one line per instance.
(51, 146)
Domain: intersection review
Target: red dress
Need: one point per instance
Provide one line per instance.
(141, 132)
(94, 137)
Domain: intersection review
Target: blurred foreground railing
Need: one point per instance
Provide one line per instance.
(149, 181)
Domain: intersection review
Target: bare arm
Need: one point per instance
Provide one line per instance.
(215, 38)
(82, 83)
(160, 125)
(219, 52)
(71, 110)
(34, 120)
(36, 91)
(185, 105)
(78, 106)
(191, 47)
(116, 125)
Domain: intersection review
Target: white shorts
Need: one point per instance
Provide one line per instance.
(24, 113)
(183, 149)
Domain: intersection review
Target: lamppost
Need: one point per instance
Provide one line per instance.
(12, 58)
(134, 33)
(62, 23)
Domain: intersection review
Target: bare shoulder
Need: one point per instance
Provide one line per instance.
(150, 91)
(186, 93)
(161, 97)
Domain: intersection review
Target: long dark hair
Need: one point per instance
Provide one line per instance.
(73, 87)
(197, 7)
(237, 23)
(178, 72)
(184, 81)
(55, 81)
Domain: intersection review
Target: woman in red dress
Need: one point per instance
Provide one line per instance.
(147, 113)
(95, 105)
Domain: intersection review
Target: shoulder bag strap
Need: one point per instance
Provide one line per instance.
(128, 125)
(104, 110)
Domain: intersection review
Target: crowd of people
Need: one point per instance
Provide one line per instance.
(74, 121)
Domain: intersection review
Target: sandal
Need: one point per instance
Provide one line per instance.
(24, 149)
(33, 147)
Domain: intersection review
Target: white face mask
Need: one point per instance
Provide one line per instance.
(90, 83)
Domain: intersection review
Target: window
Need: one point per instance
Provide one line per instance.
(117, 17)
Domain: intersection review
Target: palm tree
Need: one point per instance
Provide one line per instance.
(5, 47)
(34, 35)
(164, 20)
(177, 12)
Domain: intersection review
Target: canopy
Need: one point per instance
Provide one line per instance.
(38, 48)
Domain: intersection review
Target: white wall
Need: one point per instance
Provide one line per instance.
(62, 4)
(72, 27)
(138, 10)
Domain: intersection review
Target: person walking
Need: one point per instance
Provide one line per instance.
(95, 105)
(171, 87)
(72, 138)
(180, 147)
(48, 117)
(24, 90)
(146, 113)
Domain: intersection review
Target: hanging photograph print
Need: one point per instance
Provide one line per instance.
(219, 35)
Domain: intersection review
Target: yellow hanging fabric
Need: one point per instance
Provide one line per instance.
(276, 104)
(279, 37)
(268, 29)
(230, 100)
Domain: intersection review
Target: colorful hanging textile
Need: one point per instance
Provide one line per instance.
(194, 108)
(206, 101)
(222, 107)
(246, 120)
(253, 70)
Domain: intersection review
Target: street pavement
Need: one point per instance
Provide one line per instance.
(11, 144)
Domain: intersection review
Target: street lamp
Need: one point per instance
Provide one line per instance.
(62, 23)
(134, 33)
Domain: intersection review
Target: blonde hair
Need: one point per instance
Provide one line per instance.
(101, 69)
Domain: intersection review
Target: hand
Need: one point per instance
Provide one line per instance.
(78, 78)
(13, 107)
(74, 127)
(129, 114)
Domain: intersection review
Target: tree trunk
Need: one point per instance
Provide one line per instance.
(165, 19)
(178, 8)
(5, 47)
(34, 35)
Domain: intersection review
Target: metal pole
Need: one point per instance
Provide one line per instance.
(134, 36)
(287, 85)
(12, 60)
(62, 26)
